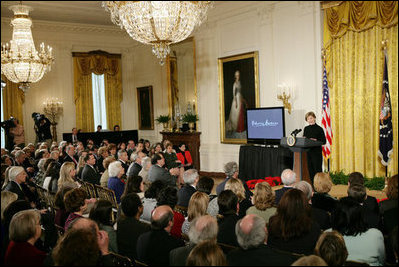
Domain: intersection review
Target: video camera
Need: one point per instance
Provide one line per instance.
(8, 124)
(37, 117)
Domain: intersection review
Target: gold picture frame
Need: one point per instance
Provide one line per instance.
(238, 90)
(145, 108)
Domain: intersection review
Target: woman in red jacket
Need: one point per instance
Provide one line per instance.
(185, 157)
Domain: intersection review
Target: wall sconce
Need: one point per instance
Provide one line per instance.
(53, 107)
(285, 94)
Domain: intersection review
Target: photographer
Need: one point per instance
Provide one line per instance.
(42, 128)
(19, 134)
(7, 125)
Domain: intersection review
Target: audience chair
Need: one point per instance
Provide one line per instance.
(182, 210)
(121, 261)
(108, 194)
(355, 263)
(139, 263)
(90, 189)
(42, 195)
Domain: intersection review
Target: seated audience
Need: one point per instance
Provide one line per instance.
(101, 213)
(149, 248)
(331, 248)
(122, 158)
(76, 204)
(231, 171)
(364, 244)
(17, 176)
(358, 193)
(52, 175)
(25, 230)
(168, 196)
(288, 177)
(252, 237)
(292, 227)
(320, 216)
(112, 150)
(263, 201)
(67, 176)
(205, 184)
(196, 208)
(158, 172)
(185, 157)
(146, 162)
(134, 184)
(321, 199)
(227, 218)
(171, 160)
(371, 202)
(150, 200)
(190, 178)
(206, 253)
(115, 183)
(61, 213)
(202, 228)
(70, 155)
(102, 154)
(136, 165)
(129, 227)
(89, 173)
(84, 244)
(81, 165)
(389, 207)
(237, 187)
(311, 260)
(40, 175)
(105, 176)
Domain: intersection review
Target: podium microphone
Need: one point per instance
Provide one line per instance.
(295, 132)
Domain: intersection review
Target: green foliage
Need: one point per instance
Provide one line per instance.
(189, 117)
(375, 183)
(163, 119)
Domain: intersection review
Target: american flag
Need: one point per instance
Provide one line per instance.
(386, 130)
(326, 119)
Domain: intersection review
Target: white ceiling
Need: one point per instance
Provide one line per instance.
(86, 12)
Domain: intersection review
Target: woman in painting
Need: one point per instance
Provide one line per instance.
(236, 121)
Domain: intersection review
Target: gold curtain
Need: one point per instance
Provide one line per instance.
(353, 37)
(13, 99)
(97, 62)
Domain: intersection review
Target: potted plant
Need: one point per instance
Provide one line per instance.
(164, 119)
(190, 119)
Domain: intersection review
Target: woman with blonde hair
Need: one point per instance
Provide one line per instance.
(321, 199)
(237, 187)
(196, 208)
(67, 175)
(105, 176)
(206, 253)
(263, 200)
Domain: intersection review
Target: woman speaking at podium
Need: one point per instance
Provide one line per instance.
(316, 133)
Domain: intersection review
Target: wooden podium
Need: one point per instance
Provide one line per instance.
(192, 141)
(300, 147)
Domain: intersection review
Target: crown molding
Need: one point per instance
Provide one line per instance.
(41, 25)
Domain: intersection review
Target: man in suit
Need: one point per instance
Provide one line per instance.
(89, 173)
(135, 167)
(158, 172)
(70, 155)
(288, 177)
(202, 228)
(122, 158)
(17, 176)
(153, 247)
(184, 194)
(252, 237)
(129, 226)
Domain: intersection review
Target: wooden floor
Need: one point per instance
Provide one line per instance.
(337, 191)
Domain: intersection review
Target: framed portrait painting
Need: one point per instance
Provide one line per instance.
(238, 90)
(145, 108)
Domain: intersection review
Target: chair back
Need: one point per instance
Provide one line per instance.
(90, 189)
(182, 210)
(139, 263)
(120, 260)
(108, 194)
(42, 195)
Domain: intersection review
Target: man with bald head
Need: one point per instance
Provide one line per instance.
(153, 247)
(252, 237)
(201, 229)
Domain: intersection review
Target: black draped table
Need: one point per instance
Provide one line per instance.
(258, 162)
(97, 137)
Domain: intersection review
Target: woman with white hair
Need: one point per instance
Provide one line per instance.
(116, 171)
(25, 230)
(17, 176)
(146, 163)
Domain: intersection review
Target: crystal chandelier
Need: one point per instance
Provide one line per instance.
(158, 23)
(20, 61)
